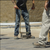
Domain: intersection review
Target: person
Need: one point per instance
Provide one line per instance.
(45, 26)
(21, 5)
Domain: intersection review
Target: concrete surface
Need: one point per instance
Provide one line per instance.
(7, 41)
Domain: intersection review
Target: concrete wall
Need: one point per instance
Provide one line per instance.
(8, 11)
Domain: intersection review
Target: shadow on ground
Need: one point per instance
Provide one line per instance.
(4, 38)
(2, 34)
(48, 46)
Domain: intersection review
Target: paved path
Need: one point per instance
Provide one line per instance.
(7, 41)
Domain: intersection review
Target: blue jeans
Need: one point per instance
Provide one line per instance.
(25, 15)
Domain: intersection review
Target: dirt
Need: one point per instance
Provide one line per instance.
(8, 11)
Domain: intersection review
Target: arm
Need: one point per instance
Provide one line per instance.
(33, 1)
(33, 7)
(13, 1)
(15, 6)
(46, 4)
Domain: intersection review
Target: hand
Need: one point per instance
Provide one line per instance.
(16, 7)
(46, 6)
(33, 7)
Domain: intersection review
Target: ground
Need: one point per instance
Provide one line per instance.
(9, 43)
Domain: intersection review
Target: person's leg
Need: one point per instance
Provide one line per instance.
(44, 29)
(17, 22)
(25, 15)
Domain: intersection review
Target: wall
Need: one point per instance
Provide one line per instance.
(8, 11)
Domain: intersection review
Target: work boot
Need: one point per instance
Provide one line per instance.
(28, 36)
(37, 45)
(16, 37)
(47, 43)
